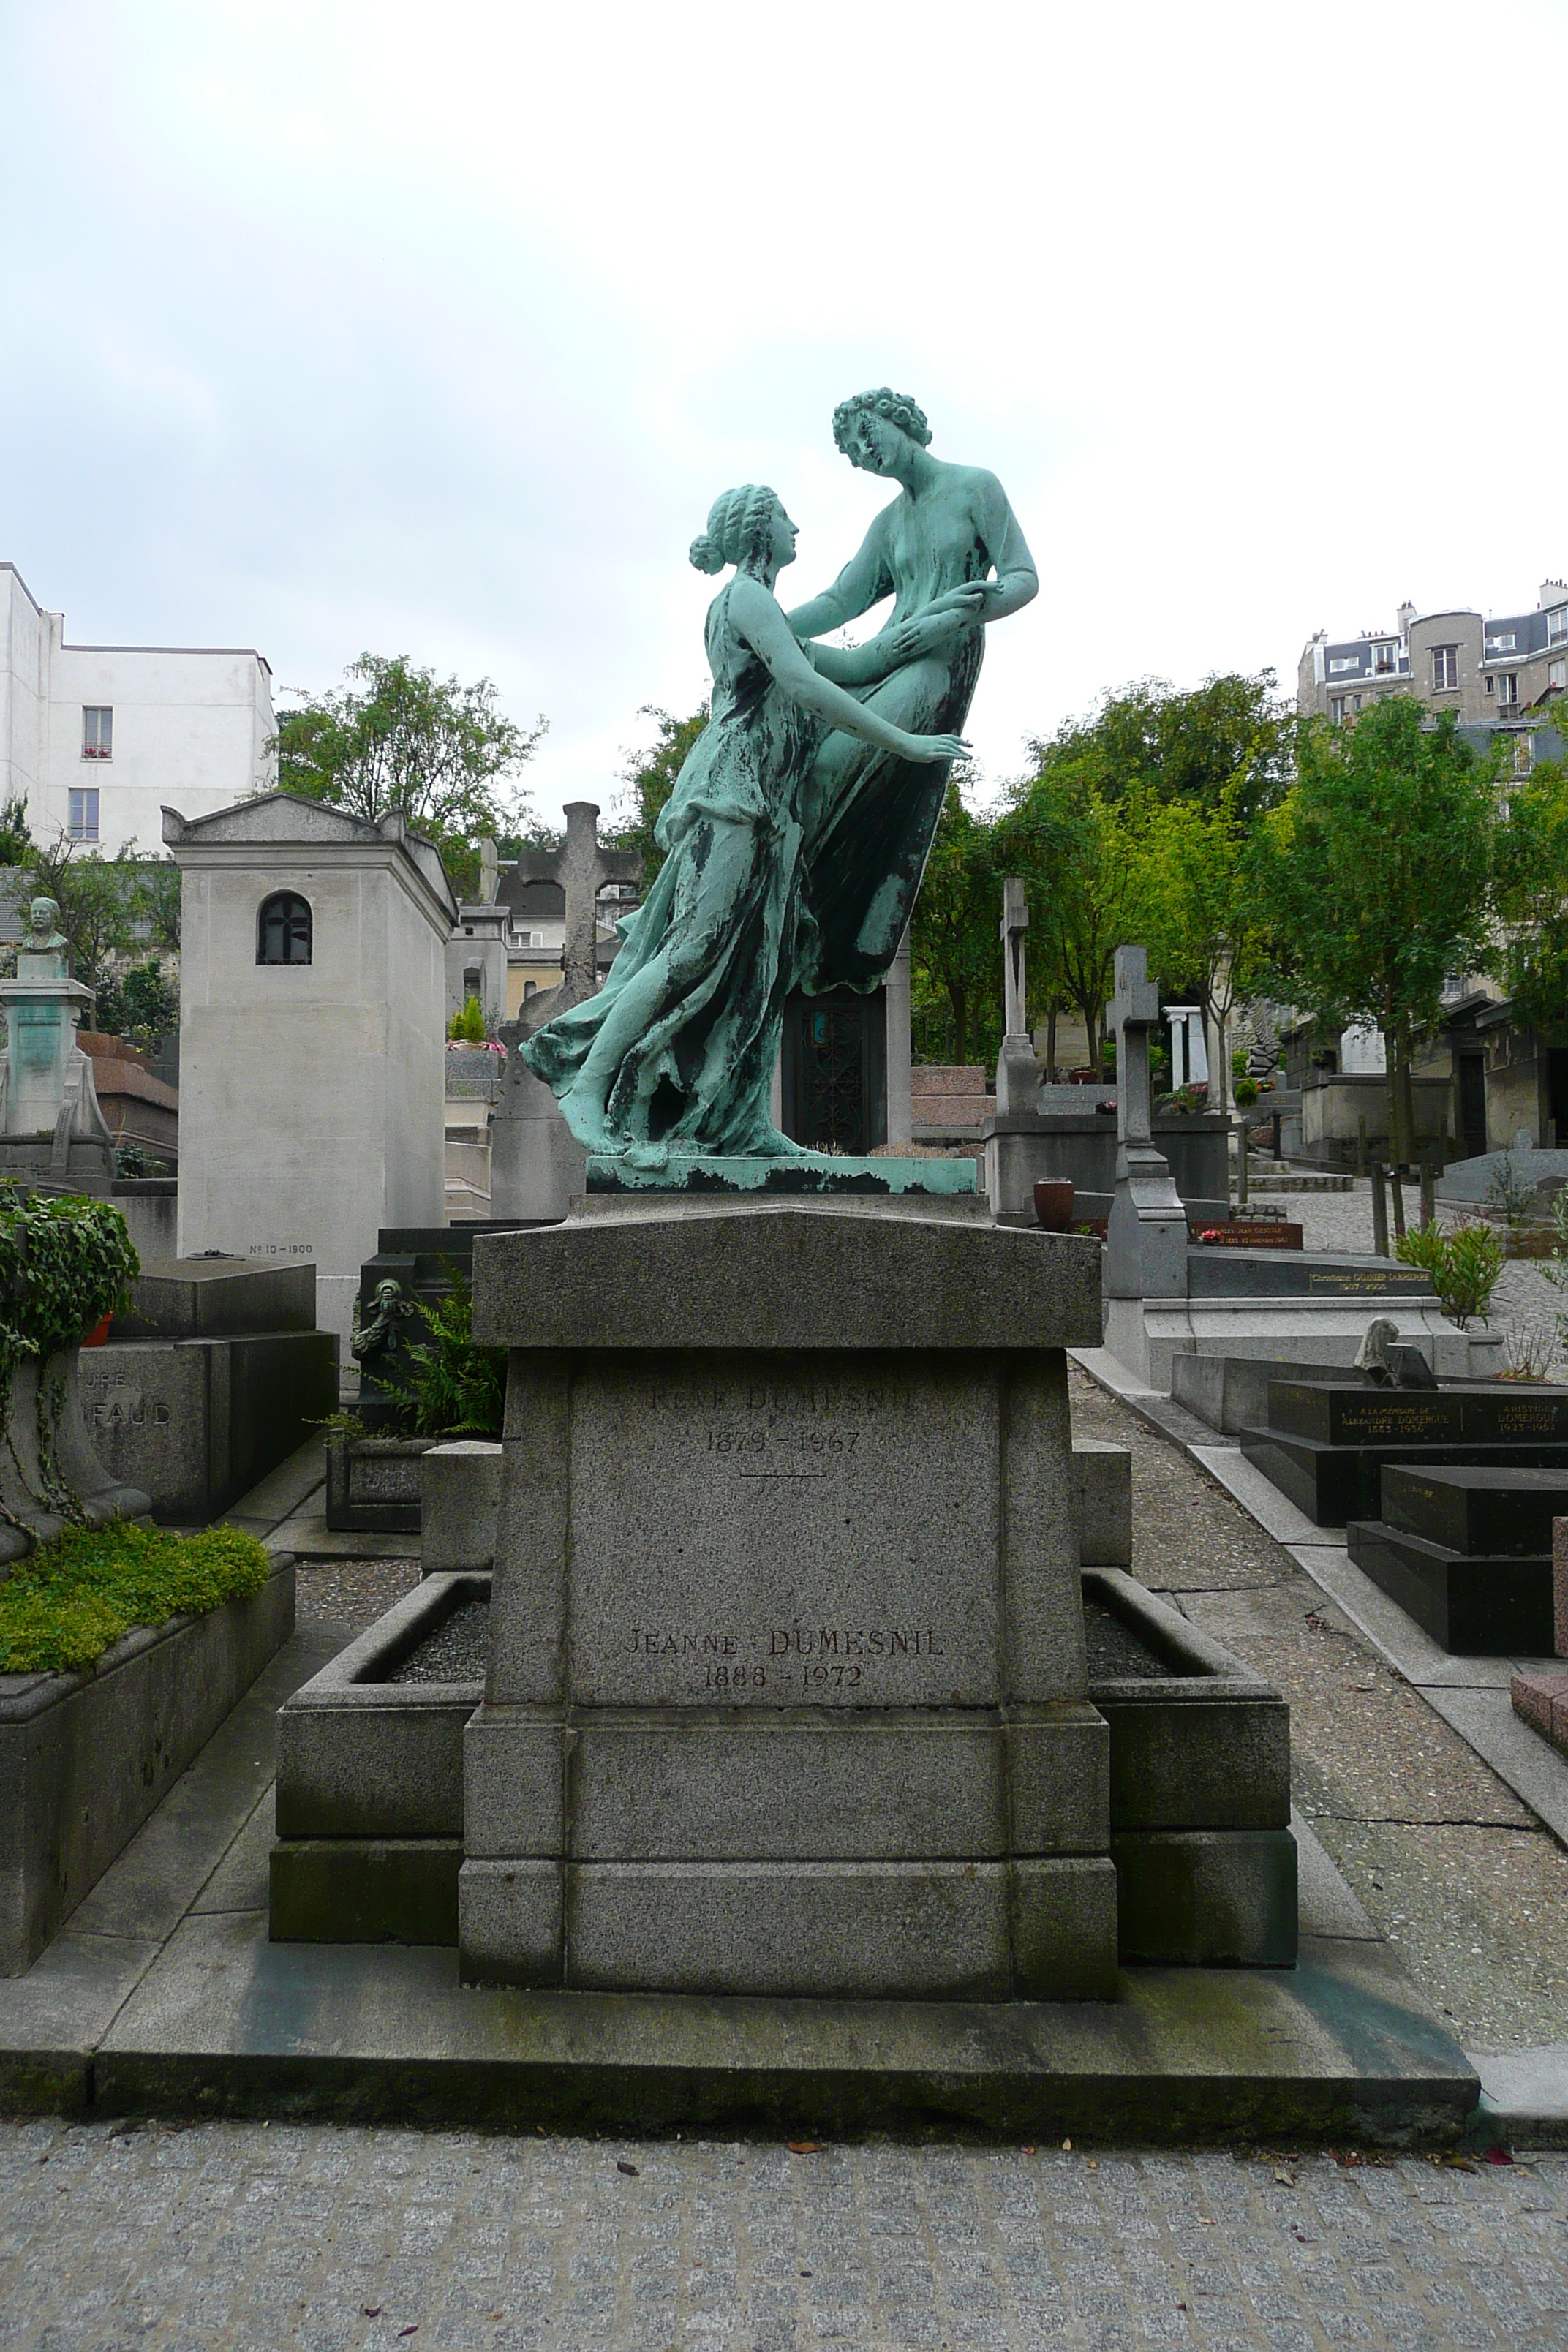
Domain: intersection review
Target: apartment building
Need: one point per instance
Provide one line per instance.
(1510, 673)
(96, 738)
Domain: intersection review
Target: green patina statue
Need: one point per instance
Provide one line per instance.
(800, 823)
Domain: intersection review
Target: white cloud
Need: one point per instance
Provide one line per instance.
(373, 326)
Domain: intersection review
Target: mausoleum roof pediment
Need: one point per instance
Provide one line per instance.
(286, 820)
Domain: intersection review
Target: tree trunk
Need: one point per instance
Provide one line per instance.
(1051, 1043)
(960, 1010)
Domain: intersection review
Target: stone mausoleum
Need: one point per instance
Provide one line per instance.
(312, 994)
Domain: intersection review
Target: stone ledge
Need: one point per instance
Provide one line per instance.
(1342, 2047)
(782, 1276)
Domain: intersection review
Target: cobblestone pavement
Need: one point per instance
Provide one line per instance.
(1465, 1883)
(240, 2238)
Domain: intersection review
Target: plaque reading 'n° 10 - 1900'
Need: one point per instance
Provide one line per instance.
(764, 1531)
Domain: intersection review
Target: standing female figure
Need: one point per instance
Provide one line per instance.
(677, 1050)
(870, 815)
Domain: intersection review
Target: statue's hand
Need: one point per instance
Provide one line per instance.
(932, 632)
(937, 747)
(970, 600)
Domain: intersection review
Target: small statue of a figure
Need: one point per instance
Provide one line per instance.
(379, 1335)
(1383, 1360)
(44, 940)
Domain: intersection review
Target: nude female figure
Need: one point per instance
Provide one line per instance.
(869, 815)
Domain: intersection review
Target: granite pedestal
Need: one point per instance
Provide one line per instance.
(787, 1689)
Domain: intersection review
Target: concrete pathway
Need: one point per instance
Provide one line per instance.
(1446, 1815)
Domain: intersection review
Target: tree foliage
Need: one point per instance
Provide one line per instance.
(1532, 885)
(955, 948)
(1151, 741)
(1072, 837)
(397, 737)
(648, 778)
(1374, 875)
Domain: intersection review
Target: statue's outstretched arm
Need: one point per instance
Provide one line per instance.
(864, 582)
(770, 635)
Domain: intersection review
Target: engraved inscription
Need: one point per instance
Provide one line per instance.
(783, 1532)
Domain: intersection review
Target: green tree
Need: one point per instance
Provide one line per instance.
(142, 1003)
(649, 777)
(1532, 956)
(1074, 839)
(110, 907)
(1374, 874)
(1200, 911)
(398, 736)
(955, 947)
(1234, 734)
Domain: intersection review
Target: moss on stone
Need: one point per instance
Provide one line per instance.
(69, 1603)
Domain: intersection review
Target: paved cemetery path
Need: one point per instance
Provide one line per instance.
(1459, 1874)
(239, 2238)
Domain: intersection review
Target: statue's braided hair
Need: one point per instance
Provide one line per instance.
(737, 523)
(896, 406)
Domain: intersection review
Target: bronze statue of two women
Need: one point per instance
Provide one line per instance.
(800, 825)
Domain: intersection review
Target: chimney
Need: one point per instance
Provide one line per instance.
(1552, 592)
(1407, 614)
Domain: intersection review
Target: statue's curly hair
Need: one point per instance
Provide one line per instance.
(737, 523)
(896, 406)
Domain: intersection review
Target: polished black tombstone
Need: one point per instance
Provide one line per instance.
(1467, 1551)
(1326, 1444)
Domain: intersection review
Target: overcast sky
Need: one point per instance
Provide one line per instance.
(436, 330)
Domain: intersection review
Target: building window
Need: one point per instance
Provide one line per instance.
(1337, 709)
(283, 930)
(1508, 688)
(1504, 644)
(1342, 662)
(1383, 660)
(97, 731)
(82, 816)
(1557, 674)
(1444, 669)
(1557, 625)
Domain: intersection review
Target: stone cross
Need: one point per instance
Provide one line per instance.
(1014, 923)
(1146, 1235)
(1134, 1011)
(582, 868)
(1017, 1072)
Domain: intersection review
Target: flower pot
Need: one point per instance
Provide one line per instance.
(1053, 1202)
(98, 1335)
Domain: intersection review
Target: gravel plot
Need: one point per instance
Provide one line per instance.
(458, 1652)
(348, 1593)
(1114, 1650)
(241, 2238)
(1443, 1856)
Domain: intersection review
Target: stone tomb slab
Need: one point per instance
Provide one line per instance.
(787, 1543)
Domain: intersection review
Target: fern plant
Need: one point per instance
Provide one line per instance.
(450, 1387)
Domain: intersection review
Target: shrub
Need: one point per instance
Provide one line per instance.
(1245, 1093)
(451, 1386)
(61, 1608)
(1464, 1264)
(1510, 1191)
(468, 1026)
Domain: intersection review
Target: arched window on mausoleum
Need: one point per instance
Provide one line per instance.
(283, 928)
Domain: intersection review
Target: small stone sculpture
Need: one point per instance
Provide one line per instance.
(379, 1335)
(1385, 1360)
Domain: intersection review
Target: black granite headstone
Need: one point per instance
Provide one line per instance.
(1473, 1607)
(1481, 1513)
(1486, 1413)
(1215, 1273)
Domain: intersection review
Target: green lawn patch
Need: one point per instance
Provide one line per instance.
(69, 1603)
